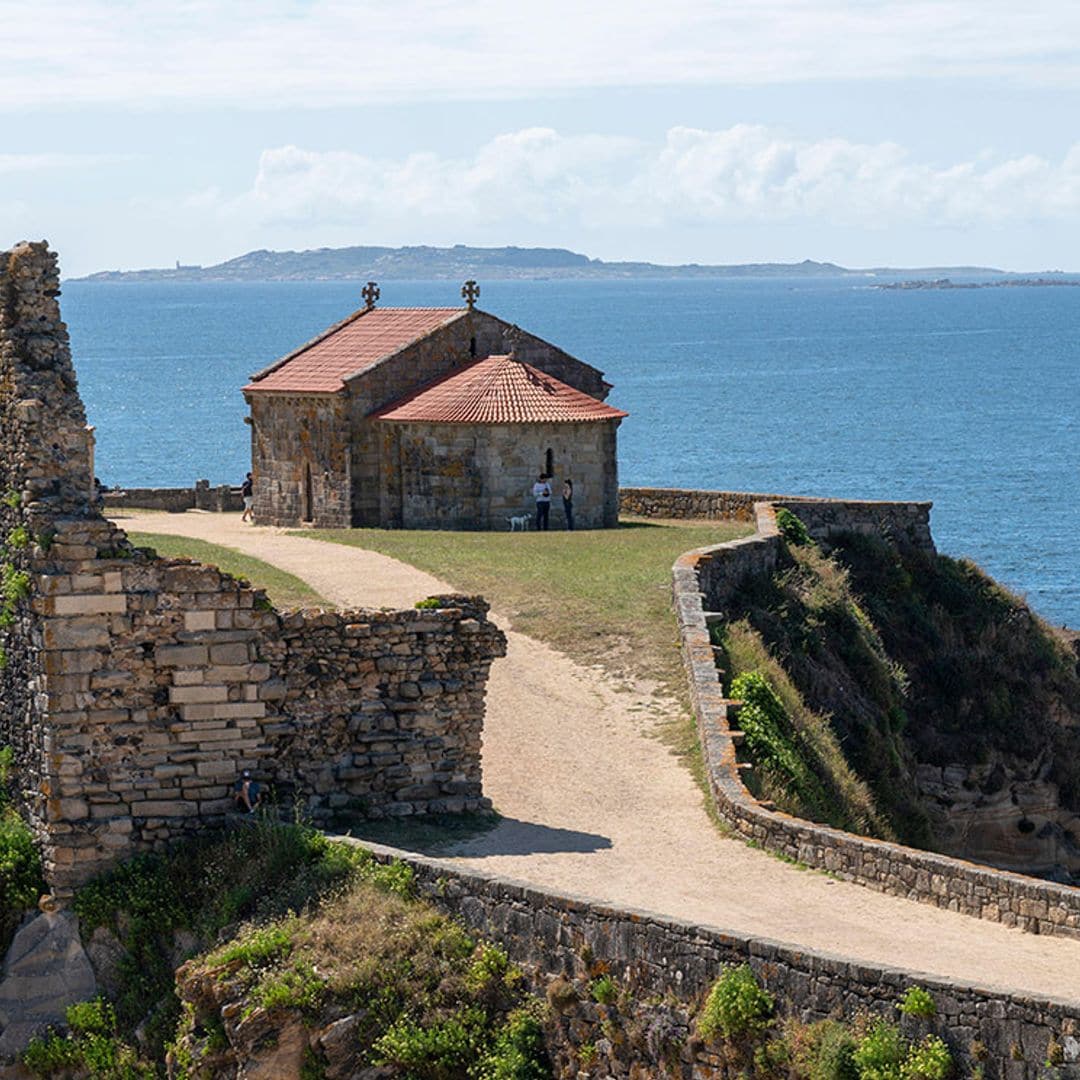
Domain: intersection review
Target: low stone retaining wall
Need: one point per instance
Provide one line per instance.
(655, 956)
(904, 522)
(703, 582)
(175, 500)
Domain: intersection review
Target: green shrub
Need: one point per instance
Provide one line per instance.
(604, 990)
(11, 499)
(14, 585)
(91, 1047)
(430, 604)
(518, 1050)
(18, 538)
(918, 1002)
(792, 529)
(880, 1053)
(774, 744)
(437, 1051)
(21, 881)
(833, 1052)
(737, 1007)
(927, 1060)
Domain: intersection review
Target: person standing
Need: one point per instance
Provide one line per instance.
(568, 503)
(247, 491)
(542, 494)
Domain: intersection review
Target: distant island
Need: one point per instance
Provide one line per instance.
(1005, 283)
(461, 262)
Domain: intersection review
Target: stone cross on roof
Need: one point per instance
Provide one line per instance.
(470, 293)
(370, 293)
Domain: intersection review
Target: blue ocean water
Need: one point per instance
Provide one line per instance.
(968, 398)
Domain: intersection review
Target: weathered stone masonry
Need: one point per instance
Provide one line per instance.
(136, 688)
(668, 965)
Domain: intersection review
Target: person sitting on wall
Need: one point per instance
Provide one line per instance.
(247, 794)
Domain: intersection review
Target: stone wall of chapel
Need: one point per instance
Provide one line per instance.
(459, 476)
(300, 444)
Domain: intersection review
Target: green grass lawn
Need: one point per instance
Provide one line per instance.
(602, 596)
(284, 590)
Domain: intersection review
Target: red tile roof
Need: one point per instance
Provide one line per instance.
(498, 390)
(354, 345)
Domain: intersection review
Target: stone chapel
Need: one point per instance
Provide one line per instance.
(428, 418)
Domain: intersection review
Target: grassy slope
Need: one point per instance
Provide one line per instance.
(284, 590)
(601, 596)
(904, 658)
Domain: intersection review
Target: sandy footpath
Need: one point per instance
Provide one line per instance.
(594, 805)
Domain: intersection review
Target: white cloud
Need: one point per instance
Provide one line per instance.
(537, 179)
(275, 53)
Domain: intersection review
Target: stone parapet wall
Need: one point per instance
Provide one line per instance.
(703, 582)
(219, 499)
(902, 522)
(657, 957)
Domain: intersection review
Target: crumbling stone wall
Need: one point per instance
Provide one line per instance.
(135, 688)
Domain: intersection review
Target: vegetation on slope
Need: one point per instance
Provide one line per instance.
(21, 881)
(880, 659)
(283, 589)
(302, 923)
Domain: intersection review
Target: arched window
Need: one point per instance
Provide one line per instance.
(472, 346)
(549, 462)
(308, 500)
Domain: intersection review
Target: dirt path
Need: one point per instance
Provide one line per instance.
(593, 805)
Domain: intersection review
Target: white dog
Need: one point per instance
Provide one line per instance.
(521, 522)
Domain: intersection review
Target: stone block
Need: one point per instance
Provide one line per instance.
(199, 620)
(89, 604)
(223, 711)
(197, 694)
(76, 633)
(165, 808)
(231, 653)
(182, 655)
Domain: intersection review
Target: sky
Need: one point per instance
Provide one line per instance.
(134, 133)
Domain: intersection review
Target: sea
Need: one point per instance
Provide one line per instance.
(969, 398)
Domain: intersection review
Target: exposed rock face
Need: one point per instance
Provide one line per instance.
(45, 971)
(1005, 812)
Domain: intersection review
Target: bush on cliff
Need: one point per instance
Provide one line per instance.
(21, 881)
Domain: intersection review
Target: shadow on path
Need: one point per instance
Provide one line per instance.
(474, 835)
(513, 837)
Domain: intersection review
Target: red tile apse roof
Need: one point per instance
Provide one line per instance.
(498, 390)
(354, 345)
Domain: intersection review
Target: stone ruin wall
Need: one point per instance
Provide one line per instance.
(135, 689)
(704, 581)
